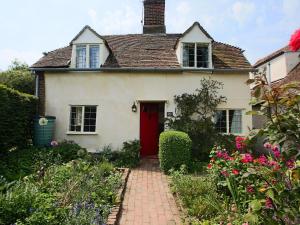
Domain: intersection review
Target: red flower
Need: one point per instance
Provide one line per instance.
(250, 189)
(290, 163)
(247, 158)
(209, 166)
(219, 154)
(225, 173)
(235, 172)
(295, 41)
(262, 160)
(269, 203)
(240, 142)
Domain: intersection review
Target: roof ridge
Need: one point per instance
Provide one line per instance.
(229, 45)
(57, 49)
(270, 56)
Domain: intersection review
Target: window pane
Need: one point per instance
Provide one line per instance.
(76, 118)
(220, 121)
(235, 121)
(81, 56)
(188, 55)
(90, 119)
(202, 56)
(94, 56)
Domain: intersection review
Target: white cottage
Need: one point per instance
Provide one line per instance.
(110, 89)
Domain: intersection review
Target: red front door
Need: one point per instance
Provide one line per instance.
(149, 130)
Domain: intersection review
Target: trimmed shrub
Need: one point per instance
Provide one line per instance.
(174, 150)
(17, 112)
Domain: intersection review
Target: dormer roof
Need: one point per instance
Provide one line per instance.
(87, 27)
(197, 24)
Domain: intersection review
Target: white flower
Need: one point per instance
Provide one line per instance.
(43, 121)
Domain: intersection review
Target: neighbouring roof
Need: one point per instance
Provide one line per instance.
(272, 56)
(147, 51)
(293, 76)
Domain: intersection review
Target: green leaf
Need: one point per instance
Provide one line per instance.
(249, 217)
(255, 205)
(270, 194)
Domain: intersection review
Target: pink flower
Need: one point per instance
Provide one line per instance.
(250, 189)
(240, 143)
(225, 173)
(219, 154)
(247, 158)
(209, 166)
(267, 145)
(54, 143)
(235, 172)
(245, 223)
(262, 160)
(295, 41)
(269, 203)
(290, 164)
(276, 151)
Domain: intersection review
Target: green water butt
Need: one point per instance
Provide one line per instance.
(43, 131)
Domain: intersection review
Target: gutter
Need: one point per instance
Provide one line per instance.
(136, 70)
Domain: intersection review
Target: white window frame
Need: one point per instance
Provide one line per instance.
(82, 120)
(195, 55)
(227, 121)
(87, 58)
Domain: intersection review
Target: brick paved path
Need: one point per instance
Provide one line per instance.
(148, 199)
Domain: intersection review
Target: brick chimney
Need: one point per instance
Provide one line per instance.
(154, 17)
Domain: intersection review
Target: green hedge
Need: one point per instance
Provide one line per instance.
(174, 150)
(16, 112)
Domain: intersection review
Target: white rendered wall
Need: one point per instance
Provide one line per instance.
(114, 93)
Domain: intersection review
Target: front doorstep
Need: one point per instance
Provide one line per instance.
(114, 216)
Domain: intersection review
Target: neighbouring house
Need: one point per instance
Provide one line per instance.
(278, 64)
(107, 89)
(281, 67)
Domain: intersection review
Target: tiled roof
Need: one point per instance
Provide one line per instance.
(272, 56)
(148, 51)
(293, 76)
(59, 58)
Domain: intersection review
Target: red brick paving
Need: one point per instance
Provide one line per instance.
(148, 200)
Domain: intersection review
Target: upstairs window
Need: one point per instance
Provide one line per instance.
(81, 56)
(94, 56)
(83, 119)
(228, 121)
(87, 56)
(195, 55)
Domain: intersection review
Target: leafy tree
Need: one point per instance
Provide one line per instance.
(194, 114)
(18, 77)
(280, 104)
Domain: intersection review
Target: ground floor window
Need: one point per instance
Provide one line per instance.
(229, 121)
(83, 118)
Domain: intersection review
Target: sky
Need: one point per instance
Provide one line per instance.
(31, 27)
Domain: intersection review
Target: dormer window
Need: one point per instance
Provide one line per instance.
(87, 56)
(94, 56)
(90, 50)
(195, 55)
(81, 56)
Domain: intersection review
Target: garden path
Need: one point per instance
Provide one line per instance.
(148, 199)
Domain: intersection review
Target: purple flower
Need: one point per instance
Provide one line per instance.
(54, 143)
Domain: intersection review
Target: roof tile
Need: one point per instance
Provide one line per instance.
(147, 51)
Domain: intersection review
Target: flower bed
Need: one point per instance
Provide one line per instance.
(243, 189)
(78, 192)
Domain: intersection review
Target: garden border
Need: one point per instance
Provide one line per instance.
(182, 211)
(114, 216)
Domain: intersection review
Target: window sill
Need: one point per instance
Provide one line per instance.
(81, 133)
